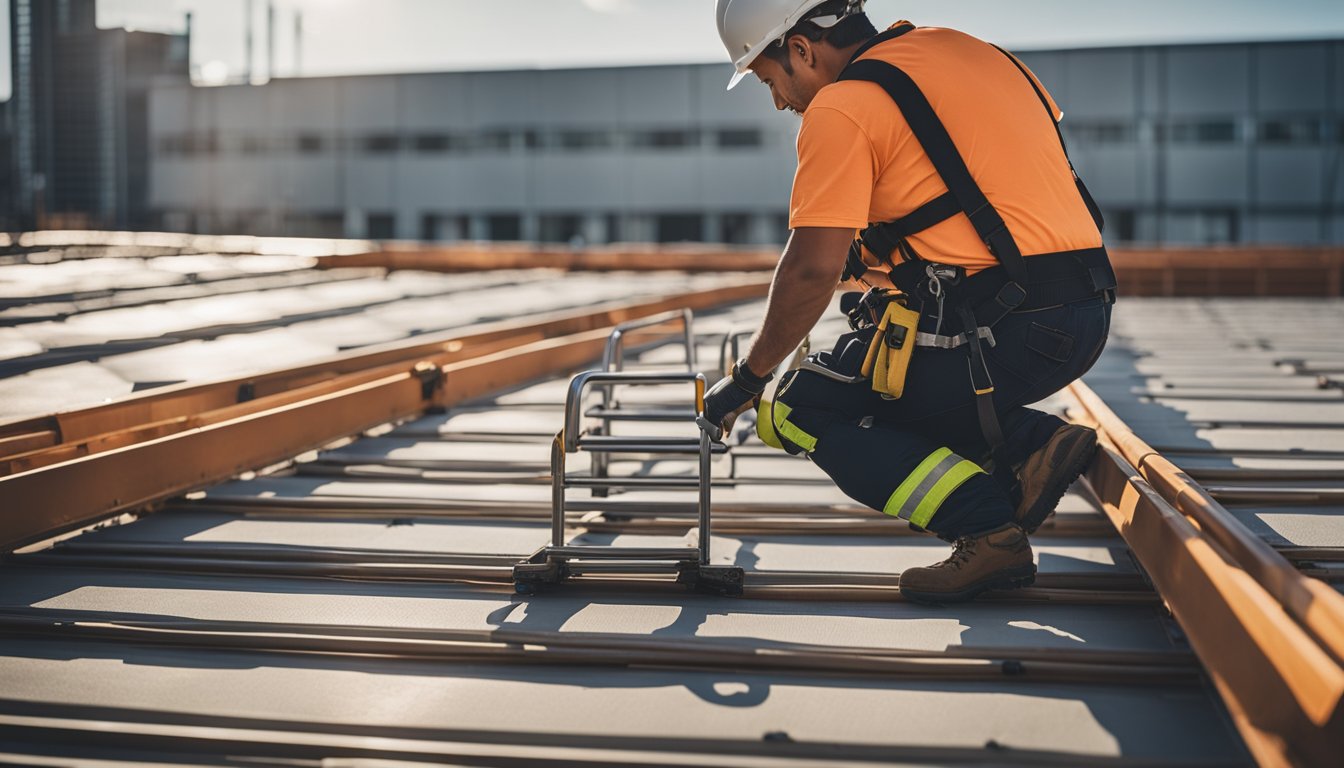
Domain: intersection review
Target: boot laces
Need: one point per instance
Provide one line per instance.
(962, 552)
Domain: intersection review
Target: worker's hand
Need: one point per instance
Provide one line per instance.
(730, 397)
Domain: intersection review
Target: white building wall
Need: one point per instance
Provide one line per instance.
(642, 153)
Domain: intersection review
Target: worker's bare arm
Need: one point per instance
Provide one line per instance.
(803, 287)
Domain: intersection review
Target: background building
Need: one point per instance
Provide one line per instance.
(76, 140)
(1210, 143)
(1181, 144)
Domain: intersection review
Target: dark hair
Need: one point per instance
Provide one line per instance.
(850, 30)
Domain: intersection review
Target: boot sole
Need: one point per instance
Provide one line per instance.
(1014, 578)
(1073, 466)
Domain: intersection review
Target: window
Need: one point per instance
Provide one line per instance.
(665, 138)
(1290, 130)
(253, 145)
(562, 228)
(432, 142)
(380, 226)
(323, 224)
(494, 139)
(1214, 226)
(1121, 224)
(1223, 131)
(575, 140)
(735, 228)
(679, 227)
(1108, 132)
(380, 143)
(504, 226)
(309, 143)
(739, 138)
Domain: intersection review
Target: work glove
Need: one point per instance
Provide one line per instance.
(731, 396)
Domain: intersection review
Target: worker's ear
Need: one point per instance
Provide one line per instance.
(802, 51)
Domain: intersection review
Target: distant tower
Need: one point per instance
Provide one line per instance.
(270, 41)
(247, 41)
(78, 153)
(298, 42)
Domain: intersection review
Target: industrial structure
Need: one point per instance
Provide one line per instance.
(1182, 144)
(1190, 144)
(74, 135)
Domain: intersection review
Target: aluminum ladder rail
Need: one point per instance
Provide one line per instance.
(558, 561)
(613, 361)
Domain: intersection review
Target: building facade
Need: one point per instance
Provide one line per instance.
(76, 141)
(1224, 143)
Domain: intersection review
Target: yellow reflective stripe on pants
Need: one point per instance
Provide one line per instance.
(925, 489)
(780, 416)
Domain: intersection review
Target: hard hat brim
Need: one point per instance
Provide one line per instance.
(736, 78)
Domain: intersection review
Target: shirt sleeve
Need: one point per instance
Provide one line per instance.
(833, 186)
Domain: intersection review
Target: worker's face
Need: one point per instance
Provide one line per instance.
(794, 90)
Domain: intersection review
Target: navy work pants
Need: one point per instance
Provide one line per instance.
(915, 457)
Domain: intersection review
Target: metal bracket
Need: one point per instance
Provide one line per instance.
(430, 376)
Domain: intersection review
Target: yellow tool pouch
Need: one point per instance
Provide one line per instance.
(888, 358)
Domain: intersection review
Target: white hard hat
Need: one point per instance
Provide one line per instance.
(748, 27)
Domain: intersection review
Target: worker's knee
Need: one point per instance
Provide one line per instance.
(904, 475)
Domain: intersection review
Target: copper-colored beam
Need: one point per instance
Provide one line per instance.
(1202, 271)
(47, 500)
(1318, 607)
(627, 257)
(47, 440)
(1284, 691)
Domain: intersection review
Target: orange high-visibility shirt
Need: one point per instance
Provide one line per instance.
(859, 162)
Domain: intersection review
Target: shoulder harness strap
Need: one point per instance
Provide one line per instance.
(937, 144)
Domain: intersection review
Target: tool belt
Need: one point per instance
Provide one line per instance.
(937, 306)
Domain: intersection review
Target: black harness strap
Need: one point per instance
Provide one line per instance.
(938, 145)
(882, 241)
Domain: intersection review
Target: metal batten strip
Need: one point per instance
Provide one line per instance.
(507, 646)
(63, 727)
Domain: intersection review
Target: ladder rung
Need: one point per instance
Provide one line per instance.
(642, 508)
(643, 483)
(674, 445)
(581, 551)
(579, 568)
(642, 414)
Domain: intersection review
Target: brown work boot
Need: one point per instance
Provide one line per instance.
(1048, 473)
(997, 559)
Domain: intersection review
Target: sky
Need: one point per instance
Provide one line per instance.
(369, 36)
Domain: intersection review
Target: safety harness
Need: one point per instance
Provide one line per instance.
(980, 301)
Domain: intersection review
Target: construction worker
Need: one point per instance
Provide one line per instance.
(991, 288)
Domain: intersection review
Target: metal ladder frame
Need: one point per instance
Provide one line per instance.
(613, 361)
(556, 562)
